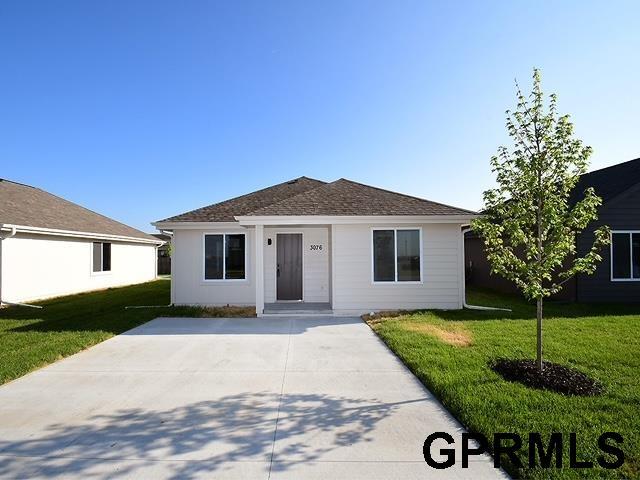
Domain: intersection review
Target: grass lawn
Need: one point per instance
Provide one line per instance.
(450, 350)
(31, 338)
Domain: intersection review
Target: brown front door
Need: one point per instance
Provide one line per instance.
(289, 266)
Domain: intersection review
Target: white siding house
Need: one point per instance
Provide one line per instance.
(342, 247)
(51, 247)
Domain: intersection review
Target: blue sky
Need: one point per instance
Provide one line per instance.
(144, 109)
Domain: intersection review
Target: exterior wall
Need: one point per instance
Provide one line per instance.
(187, 277)
(353, 287)
(315, 263)
(478, 272)
(620, 213)
(43, 266)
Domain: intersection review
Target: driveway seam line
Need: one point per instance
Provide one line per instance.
(284, 374)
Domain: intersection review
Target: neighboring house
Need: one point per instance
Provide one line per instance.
(340, 246)
(164, 253)
(50, 247)
(617, 277)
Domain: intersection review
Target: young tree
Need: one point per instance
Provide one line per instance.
(530, 223)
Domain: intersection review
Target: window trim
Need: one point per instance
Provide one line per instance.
(224, 263)
(395, 256)
(101, 272)
(631, 278)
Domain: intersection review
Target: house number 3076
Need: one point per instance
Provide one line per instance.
(315, 247)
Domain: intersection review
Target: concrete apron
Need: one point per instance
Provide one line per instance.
(299, 398)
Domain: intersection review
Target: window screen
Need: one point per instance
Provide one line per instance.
(408, 255)
(224, 257)
(213, 269)
(396, 255)
(97, 257)
(101, 257)
(234, 257)
(383, 256)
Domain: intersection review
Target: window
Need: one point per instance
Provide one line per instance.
(224, 256)
(625, 256)
(101, 257)
(397, 255)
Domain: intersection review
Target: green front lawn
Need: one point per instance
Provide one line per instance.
(31, 338)
(449, 351)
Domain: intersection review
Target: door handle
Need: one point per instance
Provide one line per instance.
(278, 271)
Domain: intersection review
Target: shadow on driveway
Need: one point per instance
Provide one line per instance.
(203, 437)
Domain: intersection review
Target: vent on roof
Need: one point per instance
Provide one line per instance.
(292, 181)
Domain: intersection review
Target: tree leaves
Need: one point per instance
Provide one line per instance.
(530, 225)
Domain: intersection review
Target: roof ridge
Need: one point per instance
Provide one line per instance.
(223, 202)
(19, 183)
(286, 182)
(88, 210)
(610, 166)
(405, 195)
(293, 199)
(95, 218)
(324, 184)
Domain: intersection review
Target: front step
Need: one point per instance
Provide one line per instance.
(297, 313)
(297, 309)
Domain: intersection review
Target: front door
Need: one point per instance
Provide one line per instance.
(289, 266)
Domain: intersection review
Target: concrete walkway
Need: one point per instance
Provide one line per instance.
(279, 398)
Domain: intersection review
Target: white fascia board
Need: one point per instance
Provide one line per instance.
(194, 225)
(335, 220)
(73, 233)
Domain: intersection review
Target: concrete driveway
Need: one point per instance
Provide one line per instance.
(279, 398)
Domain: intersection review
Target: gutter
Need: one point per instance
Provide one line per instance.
(464, 282)
(13, 230)
(73, 233)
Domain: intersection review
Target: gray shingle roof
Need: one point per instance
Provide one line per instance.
(610, 181)
(32, 207)
(305, 196)
(227, 210)
(347, 198)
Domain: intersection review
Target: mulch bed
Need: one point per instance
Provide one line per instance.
(554, 377)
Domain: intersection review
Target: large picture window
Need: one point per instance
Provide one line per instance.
(101, 257)
(224, 256)
(397, 255)
(625, 255)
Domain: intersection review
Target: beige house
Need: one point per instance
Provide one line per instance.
(339, 247)
(51, 247)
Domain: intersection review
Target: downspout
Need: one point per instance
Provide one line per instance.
(2, 302)
(464, 281)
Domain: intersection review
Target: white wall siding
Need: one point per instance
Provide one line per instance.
(43, 266)
(187, 275)
(315, 263)
(354, 290)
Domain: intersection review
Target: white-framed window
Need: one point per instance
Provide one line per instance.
(396, 255)
(225, 256)
(101, 257)
(625, 255)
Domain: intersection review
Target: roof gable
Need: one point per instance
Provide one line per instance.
(29, 206)
(348, 198)
(609, 182)
(227, 210)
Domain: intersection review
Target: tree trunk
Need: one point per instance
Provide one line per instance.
(539, 327)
